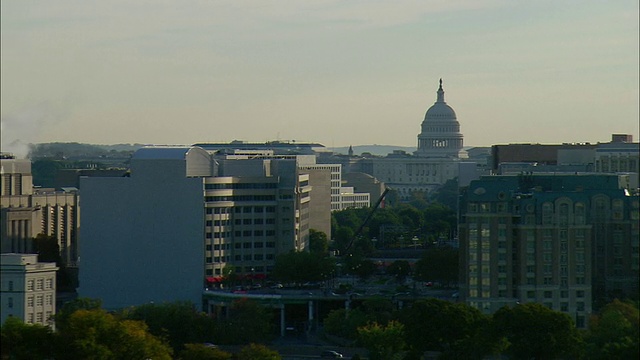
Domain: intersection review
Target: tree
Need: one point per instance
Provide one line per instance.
(95, 334)
(248, 322)
(438, 264)
(62, 317)
(438, 325)
(178, 322)
(534, 331)
(258, 352)
(302, 266)
(203, 352)
(26, 341)
(343, 237)
(345, 323)
(365, 269)
(318, 242)
(48, 250)
(613, 333)
(400, 269)
(383, 342)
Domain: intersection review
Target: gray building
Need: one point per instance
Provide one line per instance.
(182, 218)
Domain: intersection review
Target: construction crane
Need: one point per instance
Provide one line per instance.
(366, 220)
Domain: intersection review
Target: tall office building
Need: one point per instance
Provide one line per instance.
(183, 216)
(562, 240)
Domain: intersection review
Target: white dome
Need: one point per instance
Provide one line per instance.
(440, 111)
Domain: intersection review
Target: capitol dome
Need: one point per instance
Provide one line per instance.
(440, 131)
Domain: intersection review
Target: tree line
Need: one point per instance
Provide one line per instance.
(458, 331)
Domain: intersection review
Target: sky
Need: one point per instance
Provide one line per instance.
(333, 72)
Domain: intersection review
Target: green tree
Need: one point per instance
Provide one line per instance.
(613, 332)
(318, 242)
(26, 341)
(48, 250)
(343, 237)
(383, 342)
(438, 264)
(302, 266)
(248, 322)
(95, 334)
(365, 269)
(438, 325)
(203, 352)
(448, 194)
(258, 352)
(345, 323)
(534, 331)
(178, 322)
(400, 269)
(62, 317)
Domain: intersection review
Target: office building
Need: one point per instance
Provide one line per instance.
(27, 289)
(26, 212)
(183, 216)
(567, 241)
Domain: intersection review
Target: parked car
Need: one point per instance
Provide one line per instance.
(330, 354)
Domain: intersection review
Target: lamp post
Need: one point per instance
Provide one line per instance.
(415, 240)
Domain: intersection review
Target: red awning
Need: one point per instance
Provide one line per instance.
(212, 279)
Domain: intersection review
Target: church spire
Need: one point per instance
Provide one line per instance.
(440, 92)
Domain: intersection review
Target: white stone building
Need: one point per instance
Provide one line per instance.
(27, 288)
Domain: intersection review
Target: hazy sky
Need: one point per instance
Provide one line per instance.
(333, 72)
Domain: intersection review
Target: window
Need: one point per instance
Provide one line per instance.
(580, 293)
(10, 303)
(548, 294)
(531, 294)
(30, 301)
(30, 285)
(49, 299)
(580, 306)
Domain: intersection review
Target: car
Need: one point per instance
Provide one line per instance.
(330, 354)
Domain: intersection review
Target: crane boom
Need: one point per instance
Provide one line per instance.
(366, 220)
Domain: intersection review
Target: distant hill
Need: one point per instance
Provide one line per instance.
(373, 149)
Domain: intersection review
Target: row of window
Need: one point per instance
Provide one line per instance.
(38, 284)
(241, 209)
(240, 233)
(246, 257)
(240, 186)
(48, 300)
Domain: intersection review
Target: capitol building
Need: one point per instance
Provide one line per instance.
(439, 156)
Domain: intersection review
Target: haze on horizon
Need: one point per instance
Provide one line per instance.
(334, 72)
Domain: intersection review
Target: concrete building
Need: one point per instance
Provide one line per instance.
(566, 241)
(143, 235)
(183, 216)
(27, 289)
(26, 212)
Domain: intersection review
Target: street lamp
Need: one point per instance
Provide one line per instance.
(415, 240)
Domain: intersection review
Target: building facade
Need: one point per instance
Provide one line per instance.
(185, 216)
(26, 212)
(27, 289)
(566, 241)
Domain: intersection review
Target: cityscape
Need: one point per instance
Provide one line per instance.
(149, 246)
